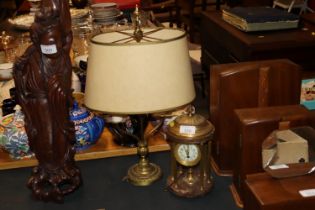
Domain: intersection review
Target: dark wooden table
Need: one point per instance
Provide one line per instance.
(224, 43)
(266, 193)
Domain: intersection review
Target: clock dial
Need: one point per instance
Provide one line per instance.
(187, 154)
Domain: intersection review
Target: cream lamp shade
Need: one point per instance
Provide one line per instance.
(129, 77)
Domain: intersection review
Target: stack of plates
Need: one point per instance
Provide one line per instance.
(106, 13)
(79, 16)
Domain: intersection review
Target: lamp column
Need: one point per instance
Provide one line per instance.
(144, 172)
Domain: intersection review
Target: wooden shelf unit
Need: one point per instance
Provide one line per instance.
(104, 148)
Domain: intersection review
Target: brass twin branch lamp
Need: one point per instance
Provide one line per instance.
(130, 74)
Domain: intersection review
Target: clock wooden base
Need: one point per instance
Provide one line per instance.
(190, 185)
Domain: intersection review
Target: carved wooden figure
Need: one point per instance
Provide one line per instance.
(43, 81)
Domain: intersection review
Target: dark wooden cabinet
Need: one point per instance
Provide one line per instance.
(224, 43)
(246, 85)
(266, 193)
(254, 125)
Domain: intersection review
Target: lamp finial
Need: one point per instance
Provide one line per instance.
(138, 33)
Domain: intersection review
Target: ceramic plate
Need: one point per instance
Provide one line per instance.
(102, 6)
(106, 13)
(22, 22)
(6, 71)
(105, 18)
(6, 65)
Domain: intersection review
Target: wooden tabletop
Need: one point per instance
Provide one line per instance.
(105, 147)
(289, 38)
(270, 191)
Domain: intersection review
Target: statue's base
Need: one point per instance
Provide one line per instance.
(52, 185)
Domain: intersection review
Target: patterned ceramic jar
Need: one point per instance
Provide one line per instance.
(88, 127)
(13, 137)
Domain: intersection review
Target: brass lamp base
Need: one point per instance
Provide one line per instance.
(144, 173)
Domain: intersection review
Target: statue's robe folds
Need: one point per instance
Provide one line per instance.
(44, 92)
(45, 96)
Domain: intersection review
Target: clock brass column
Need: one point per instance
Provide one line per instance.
(190, 138)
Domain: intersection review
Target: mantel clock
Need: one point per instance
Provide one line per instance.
(189, 136)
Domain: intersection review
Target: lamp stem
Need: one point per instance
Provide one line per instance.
(143, 149)
(143, 173)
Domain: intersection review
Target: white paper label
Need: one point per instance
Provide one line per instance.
(187, 129)
(279, 166)
(48, 49)
(307, 193)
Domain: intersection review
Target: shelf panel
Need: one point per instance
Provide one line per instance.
(104, 148)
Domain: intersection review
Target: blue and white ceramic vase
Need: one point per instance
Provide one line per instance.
(13, 137)
(88, 127)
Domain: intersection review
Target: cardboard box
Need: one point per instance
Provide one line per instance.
(288, 148)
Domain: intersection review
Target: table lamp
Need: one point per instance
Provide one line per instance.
(139, 72)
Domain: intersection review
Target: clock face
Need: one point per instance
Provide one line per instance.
(187, 154)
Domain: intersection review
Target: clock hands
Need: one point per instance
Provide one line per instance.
(187, 151)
